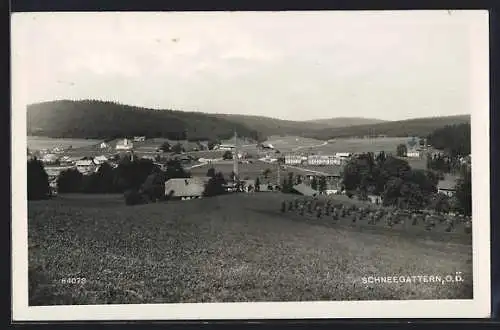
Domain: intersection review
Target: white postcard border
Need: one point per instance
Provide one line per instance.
(478, 307)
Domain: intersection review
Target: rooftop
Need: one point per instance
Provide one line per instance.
(447, 184)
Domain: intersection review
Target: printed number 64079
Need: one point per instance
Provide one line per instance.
(73, 280)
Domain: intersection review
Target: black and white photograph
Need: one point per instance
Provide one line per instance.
(250, 165)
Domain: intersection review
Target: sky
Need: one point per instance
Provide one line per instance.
(287, 65)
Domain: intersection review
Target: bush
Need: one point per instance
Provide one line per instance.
(70, 181)
(133, 197)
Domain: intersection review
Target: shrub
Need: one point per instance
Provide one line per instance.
(133, 197)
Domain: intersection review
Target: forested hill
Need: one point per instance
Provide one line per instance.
(103, 120)
(410, 127)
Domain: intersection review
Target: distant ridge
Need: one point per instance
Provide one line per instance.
(94, 119)
(400, 128)
(347, 121)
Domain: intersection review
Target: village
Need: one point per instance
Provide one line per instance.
(249, 167)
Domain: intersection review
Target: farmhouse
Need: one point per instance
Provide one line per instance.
(104, 145)
(139, 138)
(124, 145)
(187, 188)
(100, 160)
(446, 187)
(413, 153)
(248, 185)
(225, 147)
(304, 190)
(465, 160)
(50, 159)
(86, 166)
(266, 187)
(374, 199)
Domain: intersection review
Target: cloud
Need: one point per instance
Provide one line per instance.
(289, 65)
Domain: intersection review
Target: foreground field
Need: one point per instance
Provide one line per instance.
(224, 249)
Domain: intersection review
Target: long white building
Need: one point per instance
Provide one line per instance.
(321, 160)
(293, 159)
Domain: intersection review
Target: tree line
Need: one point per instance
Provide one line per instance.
(140, 180)
(399, 185)
(403, 128)
(454, 140)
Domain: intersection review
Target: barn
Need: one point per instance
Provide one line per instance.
(186, 188)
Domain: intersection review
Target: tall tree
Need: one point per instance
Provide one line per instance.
(464, 192)
(314, 183)
(165, 147)
(322, 185)
(69, 181)
(215, 185)
(37, 180)
(177, 148)
(401, 150)
(211, 172)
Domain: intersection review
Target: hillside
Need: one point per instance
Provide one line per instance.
(233, 248)
(346, 121)
(106, 120)
(410, 127)
(272, 126)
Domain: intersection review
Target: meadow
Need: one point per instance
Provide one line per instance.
(375, 145)
(228, 248)
(39, 142)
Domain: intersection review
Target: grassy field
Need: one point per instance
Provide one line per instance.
(225, 249)
(388, 145)
(251, 171)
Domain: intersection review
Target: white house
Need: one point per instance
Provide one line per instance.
(86, 166)
(225, 147)
(413, 153)
(98, 160)
(124, 145)
(50, 158)
(341, 158)
(104, 145)
(374, 199)
(139, 138)
(446, 187)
